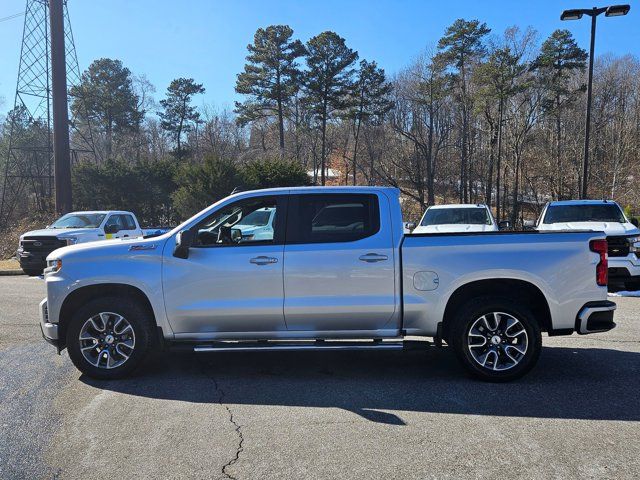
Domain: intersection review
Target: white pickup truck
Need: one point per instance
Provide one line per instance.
(72, 228)
(623, 235)
(454, 218)
(337, 272)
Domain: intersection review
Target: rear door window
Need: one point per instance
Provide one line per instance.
(130, 224)
(329, 218)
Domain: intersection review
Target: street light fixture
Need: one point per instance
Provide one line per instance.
(576, 14)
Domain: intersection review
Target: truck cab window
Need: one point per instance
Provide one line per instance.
(250, 221)
(117, 221)
(130, 224)
(332, 218)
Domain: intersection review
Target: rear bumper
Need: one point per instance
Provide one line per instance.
(595, 317)
(49, 330)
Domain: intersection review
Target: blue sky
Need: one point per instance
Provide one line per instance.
(206, 39)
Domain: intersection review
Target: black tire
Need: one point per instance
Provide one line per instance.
(470, 314)
(33, 272)
(138, 318)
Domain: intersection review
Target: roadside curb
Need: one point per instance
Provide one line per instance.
(7, 273)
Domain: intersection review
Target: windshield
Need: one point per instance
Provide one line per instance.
(457, 216)
(79, 220)
(259, 218)
(609, 212)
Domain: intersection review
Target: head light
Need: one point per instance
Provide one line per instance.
(70, 240)
(634, 244)
(53, 266)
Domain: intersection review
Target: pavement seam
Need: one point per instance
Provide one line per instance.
(232, 420)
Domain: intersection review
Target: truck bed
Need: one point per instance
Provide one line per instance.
(435, 266)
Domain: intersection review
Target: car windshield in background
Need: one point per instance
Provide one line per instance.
(583, 213)
(456, 216)
(259, 218)
(85, 220)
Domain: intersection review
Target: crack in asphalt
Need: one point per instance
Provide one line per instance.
(232, 420)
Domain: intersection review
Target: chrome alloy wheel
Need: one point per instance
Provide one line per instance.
(497, 341)
(107, 340)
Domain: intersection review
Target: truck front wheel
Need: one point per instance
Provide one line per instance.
(107, 338)
(496, 339)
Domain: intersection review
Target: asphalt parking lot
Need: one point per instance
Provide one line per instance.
(410, 414)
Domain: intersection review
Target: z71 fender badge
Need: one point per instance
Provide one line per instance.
(137, 248)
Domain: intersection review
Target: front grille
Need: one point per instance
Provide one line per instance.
(618, 246)
(41, 244)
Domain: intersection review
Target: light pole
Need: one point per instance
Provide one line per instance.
(576, 14)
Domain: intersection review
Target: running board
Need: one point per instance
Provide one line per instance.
(297, 346)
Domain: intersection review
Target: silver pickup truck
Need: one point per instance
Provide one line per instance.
(336, 272)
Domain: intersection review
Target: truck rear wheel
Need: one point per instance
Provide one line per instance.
(496, 339)
(109, 337)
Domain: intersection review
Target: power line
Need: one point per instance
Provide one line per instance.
(11, 17)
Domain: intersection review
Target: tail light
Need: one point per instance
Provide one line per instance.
(602, 269)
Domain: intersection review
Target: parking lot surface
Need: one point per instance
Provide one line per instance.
(412, 414)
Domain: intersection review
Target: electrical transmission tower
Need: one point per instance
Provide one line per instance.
(28, 177)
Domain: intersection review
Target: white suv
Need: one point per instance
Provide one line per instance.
(605, 216)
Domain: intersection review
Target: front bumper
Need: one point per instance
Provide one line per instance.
(32, 261)
(49, 330)
(624, 269)
(595, 317)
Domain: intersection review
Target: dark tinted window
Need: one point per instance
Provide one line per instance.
(332, 218)
(458, 216)
(129, 223)
(116, 220)
(609, 212)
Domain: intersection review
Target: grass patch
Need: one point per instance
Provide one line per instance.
(11, 264)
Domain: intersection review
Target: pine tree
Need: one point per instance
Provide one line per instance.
(106, 94)
(270, 76)
(178, 113)
(370, 102)
(497, 81)
(328, 82)
(559, 60)
(462, 46)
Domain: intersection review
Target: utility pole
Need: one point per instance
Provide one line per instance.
(61, 147)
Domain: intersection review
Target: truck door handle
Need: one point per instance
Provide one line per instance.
(373, 257)
(262, 260)
(125, 236)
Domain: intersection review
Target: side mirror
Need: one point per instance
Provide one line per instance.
(113, 228)
(504, 225)
(634, 221)
(236, 235)
(529, 224)
(410, 225)
(184, 240)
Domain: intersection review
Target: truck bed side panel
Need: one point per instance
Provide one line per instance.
(559, 264)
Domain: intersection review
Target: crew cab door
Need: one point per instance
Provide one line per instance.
(339, 263)
(131, 229)
(230, 282)
(118, 221)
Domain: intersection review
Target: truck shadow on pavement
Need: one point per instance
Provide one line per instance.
(568, 383)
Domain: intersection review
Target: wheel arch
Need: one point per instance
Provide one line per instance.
(521, 290)
(82, 295)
